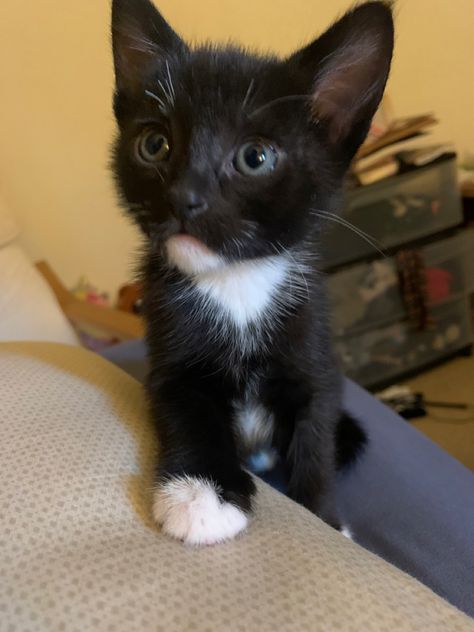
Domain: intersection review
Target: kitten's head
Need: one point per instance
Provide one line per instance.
(223, 155)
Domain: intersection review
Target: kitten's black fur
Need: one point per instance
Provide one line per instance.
(316, 108)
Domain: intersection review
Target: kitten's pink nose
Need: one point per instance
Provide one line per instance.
(187, 203)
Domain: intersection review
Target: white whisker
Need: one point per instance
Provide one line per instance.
(247, 94)
(159, 174)
(289, 97)
(168, 96)
(170, 82)
(298, 267)
(358, 231)
(152, 95)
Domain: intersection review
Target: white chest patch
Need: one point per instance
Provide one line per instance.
(239, 304)
(244, 291)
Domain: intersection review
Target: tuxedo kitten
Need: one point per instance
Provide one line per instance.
(229, 161)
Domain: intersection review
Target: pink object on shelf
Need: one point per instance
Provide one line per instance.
(92, 337)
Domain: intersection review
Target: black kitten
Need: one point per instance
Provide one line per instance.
(226, 159)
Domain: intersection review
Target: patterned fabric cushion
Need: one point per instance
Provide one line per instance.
(78, 549)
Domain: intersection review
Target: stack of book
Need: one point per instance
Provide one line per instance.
(395, 148)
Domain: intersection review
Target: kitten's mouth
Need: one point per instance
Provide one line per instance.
(190, 255)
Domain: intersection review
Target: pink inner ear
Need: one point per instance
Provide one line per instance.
(345, 86)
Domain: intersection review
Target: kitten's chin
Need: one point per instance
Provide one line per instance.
(191, 256)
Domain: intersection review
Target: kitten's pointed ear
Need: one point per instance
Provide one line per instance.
(346, 70)
(140, 36)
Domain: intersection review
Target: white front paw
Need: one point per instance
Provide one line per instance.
(189, 509)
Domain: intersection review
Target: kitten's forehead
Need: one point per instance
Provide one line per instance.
(226, 80)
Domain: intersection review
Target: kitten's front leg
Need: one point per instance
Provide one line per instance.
(202, 495)
(311, 460)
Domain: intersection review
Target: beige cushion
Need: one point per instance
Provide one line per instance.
(79, 550)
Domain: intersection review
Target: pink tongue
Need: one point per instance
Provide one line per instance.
(189, 242)
(188, 239)
(191, 255)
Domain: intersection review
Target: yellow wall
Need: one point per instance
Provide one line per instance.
(56, 121)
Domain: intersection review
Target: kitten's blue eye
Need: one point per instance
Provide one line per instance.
(255, 158)
(152, 146)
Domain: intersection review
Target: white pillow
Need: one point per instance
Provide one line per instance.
(28, 307)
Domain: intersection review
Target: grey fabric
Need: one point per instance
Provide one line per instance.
(129, 356)
(410, 502)
(406, 499)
